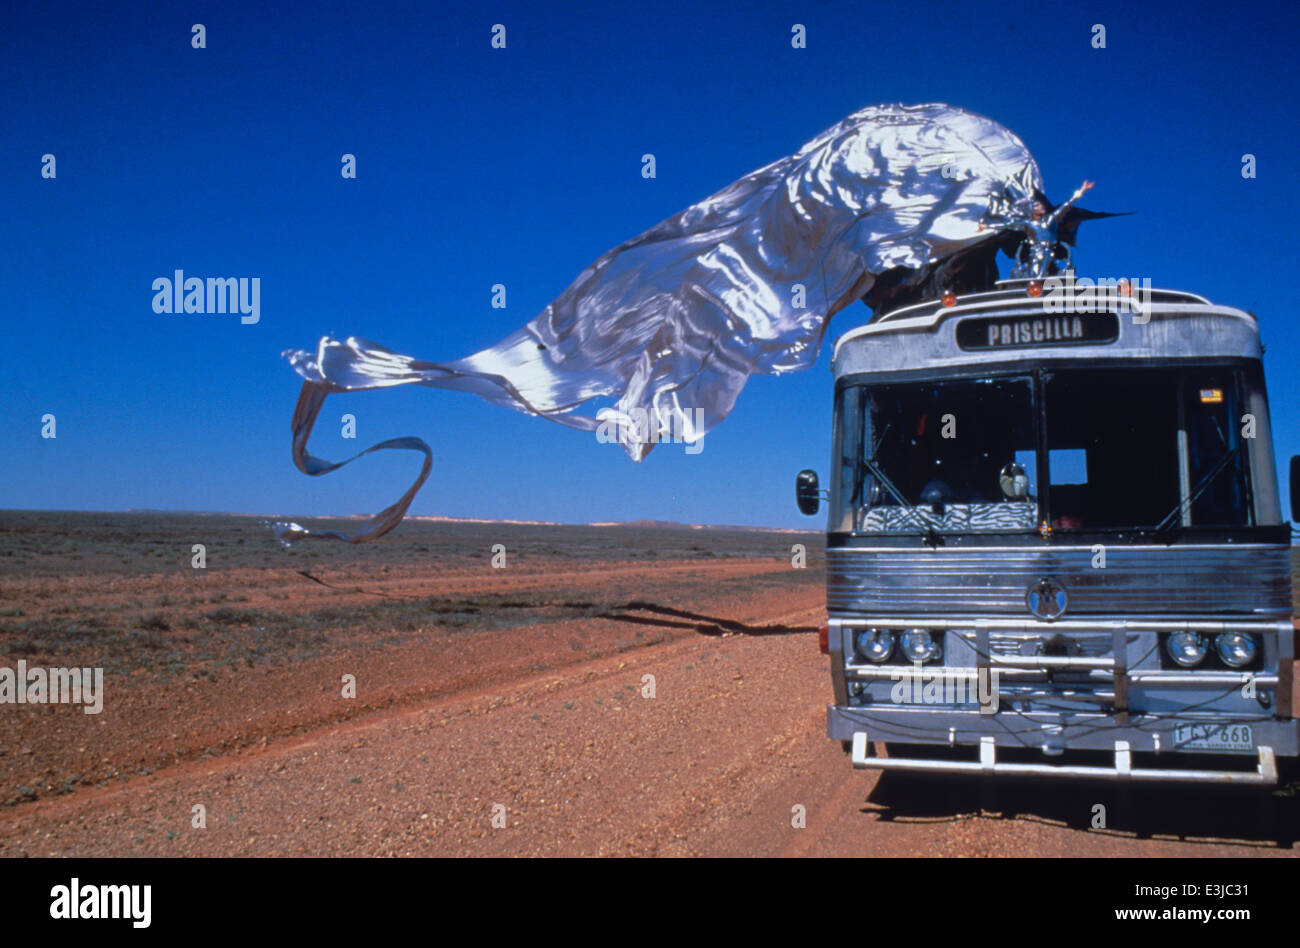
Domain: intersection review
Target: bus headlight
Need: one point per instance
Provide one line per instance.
(919, 645)
(1235, 648)
(1187, 648)
(875, 645)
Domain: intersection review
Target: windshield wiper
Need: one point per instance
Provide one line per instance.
(931, 535)
(1168, 522)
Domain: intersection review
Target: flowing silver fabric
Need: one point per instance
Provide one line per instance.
(666, 328)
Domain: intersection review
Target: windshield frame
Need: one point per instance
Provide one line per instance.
(1246, 378)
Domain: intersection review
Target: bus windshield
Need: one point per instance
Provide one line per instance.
(1117, 448)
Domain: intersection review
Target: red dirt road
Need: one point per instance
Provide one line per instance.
(524, 694)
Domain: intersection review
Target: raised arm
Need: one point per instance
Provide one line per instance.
(1056, 214)
(1001, 223)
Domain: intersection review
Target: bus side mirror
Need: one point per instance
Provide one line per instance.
(1295, 488)
(808, 496)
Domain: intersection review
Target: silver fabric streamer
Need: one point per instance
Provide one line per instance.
(669, 325)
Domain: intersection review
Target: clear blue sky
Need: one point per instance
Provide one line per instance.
(520, 166)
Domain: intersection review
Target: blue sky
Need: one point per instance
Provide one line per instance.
(520, 166)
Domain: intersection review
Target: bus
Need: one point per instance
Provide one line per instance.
(1055, 526)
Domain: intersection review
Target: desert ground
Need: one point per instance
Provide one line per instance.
(640, 689)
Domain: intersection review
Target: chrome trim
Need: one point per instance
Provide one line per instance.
(1092, 729)
(1051, 661)
(1265, 771)
(926, 345)
(910, 672)
(1285, 671)
(932, 317)
(1162, 678)
(1012, 289)
(1208, 679)
(1022, 549)
(1101, 623)
(1200, 582)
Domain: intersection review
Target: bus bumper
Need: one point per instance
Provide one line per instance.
(1273, 738)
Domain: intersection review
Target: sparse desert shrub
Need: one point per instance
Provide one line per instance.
(228, 616)
(145, 638)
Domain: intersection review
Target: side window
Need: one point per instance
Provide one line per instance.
(848, 435)
(1068, 466)
(1214, 443)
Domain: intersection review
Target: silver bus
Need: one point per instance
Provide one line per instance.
(1054, 525)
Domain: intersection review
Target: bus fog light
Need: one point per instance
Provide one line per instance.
(1187, 648)
(919, 646)
(1235, 648)
(875, 645)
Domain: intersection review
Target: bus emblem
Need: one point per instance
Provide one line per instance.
(1046, 598)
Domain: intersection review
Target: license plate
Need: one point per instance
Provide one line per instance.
(1217, 737)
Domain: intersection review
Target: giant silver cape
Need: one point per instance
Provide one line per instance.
(670, 324)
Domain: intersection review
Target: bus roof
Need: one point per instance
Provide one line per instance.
(1065, 319)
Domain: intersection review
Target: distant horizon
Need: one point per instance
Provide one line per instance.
(418, 518)
(436, 518)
